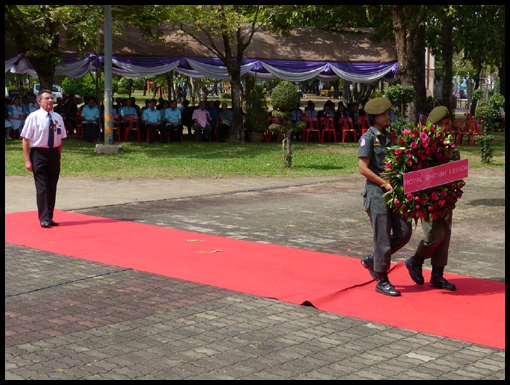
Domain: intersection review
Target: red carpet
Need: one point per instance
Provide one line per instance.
(333, 283)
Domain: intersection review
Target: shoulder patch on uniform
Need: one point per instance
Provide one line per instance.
(362, 142)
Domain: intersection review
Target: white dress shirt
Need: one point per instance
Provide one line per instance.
(37, 128)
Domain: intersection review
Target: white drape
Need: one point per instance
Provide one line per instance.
(75, 70)
(213, 71)
(134, 71)
(292, 76)
(358, 78)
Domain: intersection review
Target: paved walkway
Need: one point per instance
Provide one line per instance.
(94, 321)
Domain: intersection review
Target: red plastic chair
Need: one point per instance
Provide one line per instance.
(79, 127)
(448, 127)
(116, 126)
(344, 128)
(70, 129)
(129, 127)
(80, 132)
(324, 124)
(474, 130)
(312, 125)
(460, 128)
(364, 124)
(271, 120)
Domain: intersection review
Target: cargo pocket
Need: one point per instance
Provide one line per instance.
(366, 200)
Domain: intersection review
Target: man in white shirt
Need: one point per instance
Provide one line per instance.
(42, 145)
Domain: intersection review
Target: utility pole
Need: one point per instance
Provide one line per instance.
(108, 98)
(108, 147)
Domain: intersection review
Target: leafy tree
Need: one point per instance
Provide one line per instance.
(489, 112)
(284, 98)
(86, 85)
(35, 31)
(228, 21)
(401, 95)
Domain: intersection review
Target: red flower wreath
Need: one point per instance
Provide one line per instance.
(419, 148)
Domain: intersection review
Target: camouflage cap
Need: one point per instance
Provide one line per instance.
(438, 114)
(377, 106)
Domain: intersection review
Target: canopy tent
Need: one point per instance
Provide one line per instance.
(305, 54)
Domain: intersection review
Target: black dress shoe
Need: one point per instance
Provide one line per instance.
(385, 287)
(368, 263)
(415, 269)
(52, 222)
(438, 282)
(45, 224)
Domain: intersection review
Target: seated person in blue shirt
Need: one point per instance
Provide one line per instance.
(225, 124)
(24, 104)
(128, 109)
(151, 119)
(90, 120)
(173, 119)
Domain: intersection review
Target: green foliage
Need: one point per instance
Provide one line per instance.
(85, 86)
(284, 97)
(256, 110)
(123, 91)
(488, 112)
(497, 100)
(399, 125)
(399, 94)
(478, 94)
(226, 96)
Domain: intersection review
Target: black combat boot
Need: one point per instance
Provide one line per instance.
(368, 263)
(384, 286)
(437, 281)
(414, 265)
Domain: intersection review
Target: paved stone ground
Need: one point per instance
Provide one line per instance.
(76, 319)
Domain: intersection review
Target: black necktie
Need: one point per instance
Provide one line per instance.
(51, 136)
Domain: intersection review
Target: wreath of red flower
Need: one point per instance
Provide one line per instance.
(419, 148)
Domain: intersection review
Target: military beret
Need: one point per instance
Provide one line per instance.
(377, 106)
(437, 114)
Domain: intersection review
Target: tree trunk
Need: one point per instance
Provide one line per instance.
(501, 70)
(237, 133)
(45, 71)
(420, 86)
(287, 149)
(447, 46)
(346, 96)
(472, 111)
(336, 85)
(404, 42)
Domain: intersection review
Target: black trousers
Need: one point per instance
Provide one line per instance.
(90, 130)
(175, 132)
(223, 132)
(161, 128)
(46, 170)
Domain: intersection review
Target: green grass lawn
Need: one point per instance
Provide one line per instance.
(214, 160)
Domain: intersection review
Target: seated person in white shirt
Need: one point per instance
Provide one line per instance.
(90, 120)
(16, 118)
